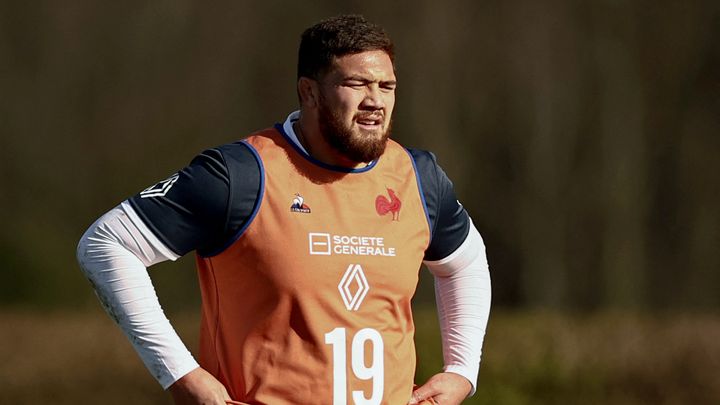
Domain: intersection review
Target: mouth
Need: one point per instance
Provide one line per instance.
(370, 122)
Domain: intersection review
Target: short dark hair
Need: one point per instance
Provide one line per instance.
(339, 36)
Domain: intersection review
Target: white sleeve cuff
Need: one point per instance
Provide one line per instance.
(113, 253)
(462, 293)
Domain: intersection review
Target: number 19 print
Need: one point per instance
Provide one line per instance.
(375, 371)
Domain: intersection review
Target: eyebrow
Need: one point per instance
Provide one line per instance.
(366, 80)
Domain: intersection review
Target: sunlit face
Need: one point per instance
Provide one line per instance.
(357, 96)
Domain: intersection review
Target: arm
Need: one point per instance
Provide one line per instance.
(186, 212)
(114, 253)
(456, 257)
(462, 292)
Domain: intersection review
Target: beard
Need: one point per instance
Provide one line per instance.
(354, 145)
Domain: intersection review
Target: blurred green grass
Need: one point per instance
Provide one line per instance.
(529, 358)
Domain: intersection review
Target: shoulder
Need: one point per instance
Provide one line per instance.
(449, 222)
(421, 155)
(202, 205)
(239, 161)
(429, 173)
(235, 152)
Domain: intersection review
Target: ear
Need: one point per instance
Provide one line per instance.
(308, 91)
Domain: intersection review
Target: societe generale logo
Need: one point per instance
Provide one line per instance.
(325, 244)
(319, 243)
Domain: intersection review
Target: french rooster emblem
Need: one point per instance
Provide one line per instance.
(383, 205)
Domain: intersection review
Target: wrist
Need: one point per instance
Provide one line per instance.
(468, 375)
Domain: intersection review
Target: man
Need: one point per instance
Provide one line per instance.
(309, 237)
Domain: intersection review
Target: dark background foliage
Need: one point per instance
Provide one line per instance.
(581, 136)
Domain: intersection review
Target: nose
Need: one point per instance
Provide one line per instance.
(373, 98)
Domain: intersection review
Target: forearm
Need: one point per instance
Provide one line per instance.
(463, 294)
(114, 253)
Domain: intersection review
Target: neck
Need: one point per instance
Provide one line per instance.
(299, 133)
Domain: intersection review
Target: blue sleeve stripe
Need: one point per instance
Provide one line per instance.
(422, 194)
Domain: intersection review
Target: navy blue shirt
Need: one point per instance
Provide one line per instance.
(205, 205)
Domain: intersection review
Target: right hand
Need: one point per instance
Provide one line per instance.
(199, 387)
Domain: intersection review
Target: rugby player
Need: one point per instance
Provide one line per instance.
(309, 236)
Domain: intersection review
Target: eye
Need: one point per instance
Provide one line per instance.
(355, 84)
(388, 86)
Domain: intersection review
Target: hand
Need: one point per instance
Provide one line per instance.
(444, 388)
(199, 387)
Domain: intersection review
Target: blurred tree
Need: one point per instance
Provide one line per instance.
(582, 137)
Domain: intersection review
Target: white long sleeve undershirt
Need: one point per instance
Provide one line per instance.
(115, 251)
(463, 294)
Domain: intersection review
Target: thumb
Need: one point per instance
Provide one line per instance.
(422, 393)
